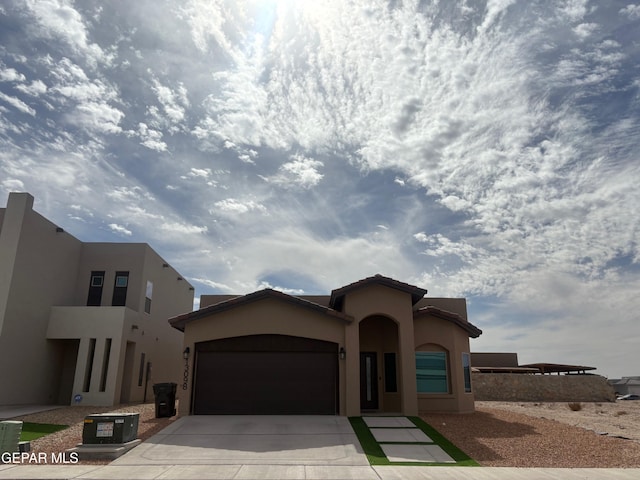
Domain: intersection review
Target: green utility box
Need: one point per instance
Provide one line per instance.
(110, 428)
(10, 431)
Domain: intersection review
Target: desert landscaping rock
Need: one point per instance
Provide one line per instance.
(498, 434)
(504, 434)
(74, 417)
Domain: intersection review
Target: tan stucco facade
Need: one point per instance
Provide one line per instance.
(63, 349)
(378, 319)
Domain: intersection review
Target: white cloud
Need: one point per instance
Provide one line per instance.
(120, 229)
(299, 172)
(295, 249)
(182, 228)
(632, 11)
(13, 185)
(59, 19)
(150, 138)
(17, 104)
(575, 10)
(585, 30)
(174, 103)
(88, 102)
(35, 88)
(128, 194)
(200, 172)
(99, 117)
(454, 203)
(212, 284)
(233, 206)
(11, 75)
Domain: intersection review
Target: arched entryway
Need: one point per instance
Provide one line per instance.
(379, 365)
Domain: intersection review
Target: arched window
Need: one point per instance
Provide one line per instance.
(432, 369)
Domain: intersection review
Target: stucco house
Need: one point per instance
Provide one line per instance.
(376, 345)
(83, 323)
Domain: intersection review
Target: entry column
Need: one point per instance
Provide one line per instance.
(352, 374)
(408, 368)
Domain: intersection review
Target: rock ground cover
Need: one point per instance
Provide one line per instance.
(74, 417)
(497, 434)
(505, 434)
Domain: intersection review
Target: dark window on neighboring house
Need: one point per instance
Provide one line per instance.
(120, 289)
(96, 283)
(105, 364)
(141, 371)
(390, 376)
(147, 297)
(89, 367)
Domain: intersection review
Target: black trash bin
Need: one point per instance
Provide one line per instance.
(165, 394)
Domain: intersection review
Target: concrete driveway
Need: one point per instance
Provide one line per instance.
(251, 440)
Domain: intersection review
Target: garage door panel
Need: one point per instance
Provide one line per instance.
(265, 383)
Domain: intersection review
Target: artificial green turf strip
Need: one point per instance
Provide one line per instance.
(31, 431)
(371, 448)
(376, 456)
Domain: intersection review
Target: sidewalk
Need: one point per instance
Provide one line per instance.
(8, 412)
(304, 472)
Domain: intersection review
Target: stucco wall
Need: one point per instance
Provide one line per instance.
(266, 316)
(513, 387)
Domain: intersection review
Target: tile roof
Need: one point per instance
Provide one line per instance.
(472, 330)
(338, 294)
(179, 322)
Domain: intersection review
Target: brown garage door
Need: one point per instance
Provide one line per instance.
(265, 375)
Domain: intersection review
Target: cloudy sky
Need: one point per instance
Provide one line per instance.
(485, 149)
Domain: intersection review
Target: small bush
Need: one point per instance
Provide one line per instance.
(575, 406)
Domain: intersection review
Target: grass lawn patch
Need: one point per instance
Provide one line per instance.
(376, 456)
(31, 431)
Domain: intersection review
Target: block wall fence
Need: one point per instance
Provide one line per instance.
(513, 387)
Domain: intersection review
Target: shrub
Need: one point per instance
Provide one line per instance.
(575, 406)
(620, 412)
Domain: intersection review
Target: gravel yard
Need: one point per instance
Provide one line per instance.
(502, 434)
(497, 434)
(74, 416)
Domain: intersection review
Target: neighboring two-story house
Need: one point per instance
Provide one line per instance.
(83, 323)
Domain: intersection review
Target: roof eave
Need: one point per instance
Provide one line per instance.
(181, 321)
(338, 294)
(471, 329)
